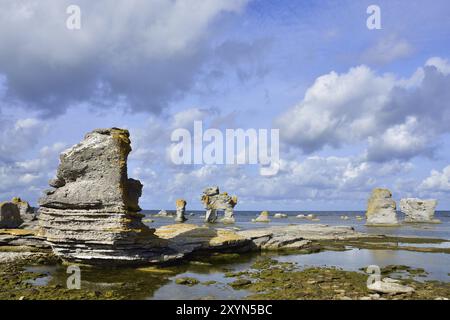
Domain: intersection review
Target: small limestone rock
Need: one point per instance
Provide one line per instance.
(163, 214)
(263, 217)
(381, 209)
(280, 216)
(417, 210)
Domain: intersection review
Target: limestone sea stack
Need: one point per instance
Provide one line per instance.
(181, 209)
(419, 211)
(381, 209)
(214, 201)
(91, 214)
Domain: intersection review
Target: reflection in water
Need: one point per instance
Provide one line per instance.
(155, 283)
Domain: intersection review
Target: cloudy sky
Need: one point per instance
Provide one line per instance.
(356, 108)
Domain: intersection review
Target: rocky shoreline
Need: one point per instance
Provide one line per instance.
(91, 217)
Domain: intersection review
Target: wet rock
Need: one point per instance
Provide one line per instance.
(187, 281)
(10, 215)
(263, 217)
(214, 201)
(92, 215)
(280, 216)
(181, 209)
(381, 209)
(417, 210)
(240, 283)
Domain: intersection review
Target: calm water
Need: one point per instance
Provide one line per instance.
(139, 284)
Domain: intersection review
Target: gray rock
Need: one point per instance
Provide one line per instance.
(381, 209)
(417, 210)
(214, 201)
(9, 215)
(92, 215)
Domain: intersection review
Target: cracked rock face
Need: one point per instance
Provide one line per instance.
(381, 208)
(417, 210)
(91, 215)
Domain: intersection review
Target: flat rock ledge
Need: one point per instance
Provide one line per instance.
(184, 240)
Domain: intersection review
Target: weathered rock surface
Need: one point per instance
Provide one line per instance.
(214, 201)
(381, 209)
(263, 217)
(417, 210)
(188, 238)
(10, 215)
(91, 215)
(181, 209)
(280, 216)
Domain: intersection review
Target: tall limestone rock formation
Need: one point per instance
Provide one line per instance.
(381, 209)
(91, 214)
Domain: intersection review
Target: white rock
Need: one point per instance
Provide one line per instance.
(417, 210)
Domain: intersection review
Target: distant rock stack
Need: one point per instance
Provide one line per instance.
(26, 211)
(214, 201)
(381, 209)
(91, 214)
(181, 209)
(9, 215)
(419, 211)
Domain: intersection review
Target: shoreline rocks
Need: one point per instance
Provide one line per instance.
(91, 216)
(419, 211)
(280, 216)
(381, 209)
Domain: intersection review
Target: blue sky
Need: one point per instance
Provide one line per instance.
(356, 108)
